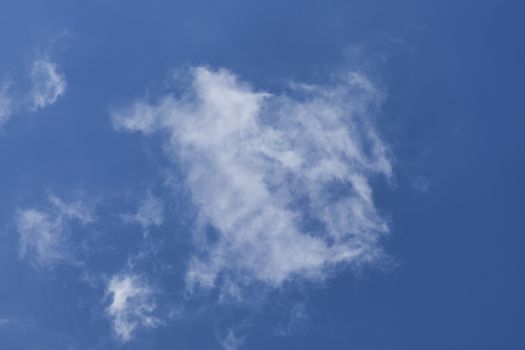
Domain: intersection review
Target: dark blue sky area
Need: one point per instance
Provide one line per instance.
(452, 116)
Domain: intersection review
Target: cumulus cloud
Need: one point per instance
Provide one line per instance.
(132, 305)
(283, 179)
(48, 83)
(43, 233)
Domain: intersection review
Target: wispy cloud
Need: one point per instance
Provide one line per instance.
(132, 305)
(43, 232)
(4, 322)
(421, 184)
(298, 316)
(232, 341)
(150, 212)
(16, 324)
(6, 103)
(283, 179)
(48, 83)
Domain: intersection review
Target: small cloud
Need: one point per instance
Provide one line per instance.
(138, 117)
(149, 213)
(6, 103)
(15, 323)
(43, 233)
(48, 83)
(76, 209)
(41, 237)
(132, 305)
(296, 320)
(4, 322)
(421, 184)
(232, 341)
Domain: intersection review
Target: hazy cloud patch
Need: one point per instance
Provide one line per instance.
(6, 103)
(44, 231)
(150, 212)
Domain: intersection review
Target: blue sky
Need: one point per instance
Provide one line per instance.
(264, 174)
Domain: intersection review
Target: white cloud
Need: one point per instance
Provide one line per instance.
(48, 83)
(284, 179)
(132, 305)
(43, 233)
